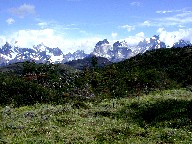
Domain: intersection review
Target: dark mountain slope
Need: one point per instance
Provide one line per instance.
(18, 68)
(175, 62)
(87, 62)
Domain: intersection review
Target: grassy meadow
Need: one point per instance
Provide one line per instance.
(158, 117)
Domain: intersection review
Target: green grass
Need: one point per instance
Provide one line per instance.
(159, 117)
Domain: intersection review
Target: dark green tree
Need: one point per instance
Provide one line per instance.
(94, 61)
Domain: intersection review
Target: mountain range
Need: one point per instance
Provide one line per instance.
(117, 52)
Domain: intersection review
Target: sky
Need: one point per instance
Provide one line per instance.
(80, 24)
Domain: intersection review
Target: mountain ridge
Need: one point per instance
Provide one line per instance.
(116, 52)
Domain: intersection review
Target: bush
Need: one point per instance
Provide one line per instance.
(20, 92)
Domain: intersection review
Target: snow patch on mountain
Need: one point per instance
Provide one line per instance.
(115, 52)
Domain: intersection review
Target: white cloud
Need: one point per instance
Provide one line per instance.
(86, 44)
(49, 37)
(2, 40)
(174, 36)
(160, 30)
(10, 21)
(134, 40)
(23, 10)
(178, 20)
(146, 23)
(135, 3)
(178, 17)
(114, 35)
(140, 35)
(164, 11)
(173, 11)
(181, 26)
(184, 14)
(42, 24)
(128, 27)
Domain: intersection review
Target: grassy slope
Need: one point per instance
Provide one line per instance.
(160, 117)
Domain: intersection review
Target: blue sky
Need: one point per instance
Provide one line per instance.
(79, 24)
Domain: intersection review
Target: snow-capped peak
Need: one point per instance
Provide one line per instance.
(40, 47)
(182, 43)
(115, 52)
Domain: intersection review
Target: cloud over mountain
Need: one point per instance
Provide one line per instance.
(115, 51)
(49, 37)
(170, 37)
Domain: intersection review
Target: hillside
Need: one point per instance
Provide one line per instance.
(154, 70)
(30, 83)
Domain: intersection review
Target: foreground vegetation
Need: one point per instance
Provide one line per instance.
(145, 99)
(159, 117)
(29, 83)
